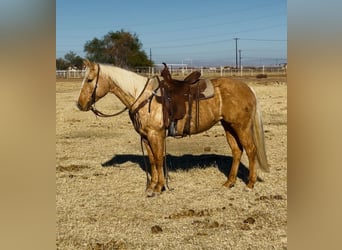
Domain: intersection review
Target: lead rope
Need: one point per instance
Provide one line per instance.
(146, 170)
(166, 169)
(197, 106)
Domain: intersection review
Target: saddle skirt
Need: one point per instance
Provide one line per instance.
(178, 100)
(205, 86)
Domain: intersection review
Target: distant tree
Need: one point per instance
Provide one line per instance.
(61, 64)
(120, 48)
(70, 59)
(96, 51)
(73, 59)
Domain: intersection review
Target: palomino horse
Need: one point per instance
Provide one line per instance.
(234, 105)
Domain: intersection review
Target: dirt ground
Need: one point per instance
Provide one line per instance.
(98, 208)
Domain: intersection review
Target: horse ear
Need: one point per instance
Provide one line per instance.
(87, 63)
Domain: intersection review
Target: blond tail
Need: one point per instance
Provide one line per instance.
(259, 140)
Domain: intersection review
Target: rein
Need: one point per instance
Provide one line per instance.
(100, 114)
(93, 98)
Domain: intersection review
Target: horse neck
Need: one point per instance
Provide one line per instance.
(126, 85)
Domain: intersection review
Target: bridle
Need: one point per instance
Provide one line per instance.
(93, 100)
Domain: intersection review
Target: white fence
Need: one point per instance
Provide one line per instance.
(183, 71)
(70, 73)
(214, 71)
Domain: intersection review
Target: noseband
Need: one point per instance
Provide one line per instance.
(93, 99)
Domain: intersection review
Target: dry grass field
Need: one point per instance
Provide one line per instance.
(100, 182)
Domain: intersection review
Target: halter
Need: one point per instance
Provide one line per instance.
(93, 100)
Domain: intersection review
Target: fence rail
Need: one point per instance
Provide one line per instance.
(183, 71)
(213, 71)
(70, 73)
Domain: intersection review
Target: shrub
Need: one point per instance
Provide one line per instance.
(261, 76)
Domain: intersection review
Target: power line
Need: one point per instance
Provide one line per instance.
(205, 26)
(168, 20)
(264, 40)
(222, 40)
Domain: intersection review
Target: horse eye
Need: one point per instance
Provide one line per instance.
(89, 80)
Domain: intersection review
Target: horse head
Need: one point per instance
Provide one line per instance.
(93, 86)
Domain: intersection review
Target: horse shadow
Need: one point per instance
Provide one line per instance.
(184, 162)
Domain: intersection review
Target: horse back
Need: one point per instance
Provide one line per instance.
(238, 99)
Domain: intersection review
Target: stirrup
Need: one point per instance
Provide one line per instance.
(172, 130)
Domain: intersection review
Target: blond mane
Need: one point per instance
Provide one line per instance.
(128, 81)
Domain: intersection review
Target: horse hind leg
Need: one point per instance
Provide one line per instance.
(237, 150)
(246, 138)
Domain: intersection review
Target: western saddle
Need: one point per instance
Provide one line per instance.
(175, 95)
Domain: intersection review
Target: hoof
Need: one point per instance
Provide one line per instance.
(247, 189)
(150, 193)
(228, 184)
(250, 185)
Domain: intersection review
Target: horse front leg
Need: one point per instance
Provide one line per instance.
(155, 150)
(154, 174)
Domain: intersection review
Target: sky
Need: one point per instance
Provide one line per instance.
(195, 32)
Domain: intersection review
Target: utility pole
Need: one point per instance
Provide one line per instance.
(150, 54)
(240, 59)
(236, 53)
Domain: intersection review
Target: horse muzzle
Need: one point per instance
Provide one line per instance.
(83, 107)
